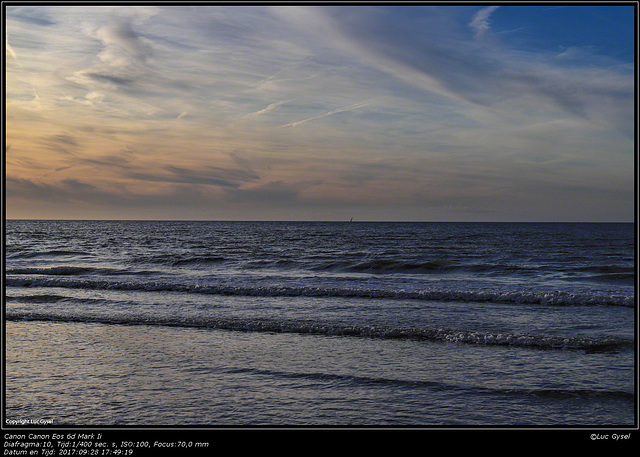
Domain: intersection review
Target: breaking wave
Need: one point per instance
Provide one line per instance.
(443, 335)
(550, 298)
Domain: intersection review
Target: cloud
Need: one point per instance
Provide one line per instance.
(480, 21)
(9, 49)
(117, 80)
(269, 108)
(120, 160)
(276, 192)
(56, 170)
(335, 111)
(122, 63)
(69, 189)
(75, 185)
(123, 47)
(202, 95)
(35, 101)
(31, 16)
(479, 78)
(61, 142)
(208, 175)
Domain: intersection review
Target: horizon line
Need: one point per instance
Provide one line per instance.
(328, 221)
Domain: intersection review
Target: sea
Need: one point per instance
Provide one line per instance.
(319, 324)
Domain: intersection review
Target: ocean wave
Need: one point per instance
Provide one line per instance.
(442, 266)
(60, 270)
(548, 298)
(442, 335)
(400, 266)
(605, 269)
(350, 263)
(187, 260)
(558, 394)
(623, 274)
(23, 254)
(36, 298)
(434, 266)
(50, 298)
(66, 270)
(621, 278)
(562, 394)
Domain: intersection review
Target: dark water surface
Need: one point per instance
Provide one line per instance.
(275, 323)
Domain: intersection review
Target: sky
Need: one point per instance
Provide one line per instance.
(380, 113)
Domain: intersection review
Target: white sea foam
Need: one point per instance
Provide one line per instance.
(551, 298)
(444, 335)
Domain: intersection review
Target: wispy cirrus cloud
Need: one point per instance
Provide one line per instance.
(61, 142)
(209, 176)
(121, 63)
(483, 79)
(8, 47)
(480, 21)
(269, 108)
(435, 107)
(329, 113)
